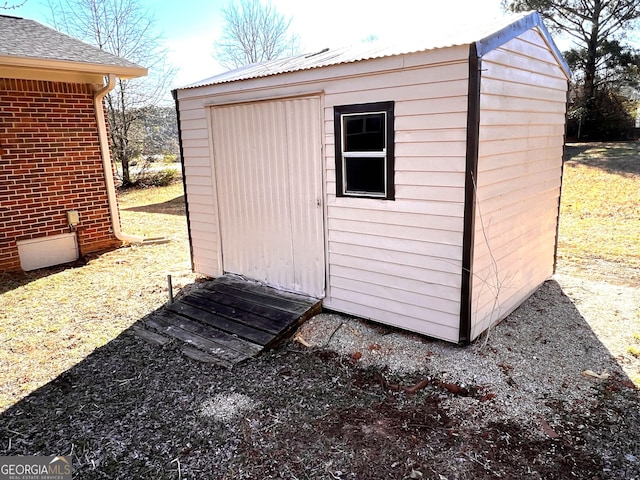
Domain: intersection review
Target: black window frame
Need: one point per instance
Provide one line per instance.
(339, 112)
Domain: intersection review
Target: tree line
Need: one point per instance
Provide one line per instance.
(603, 98)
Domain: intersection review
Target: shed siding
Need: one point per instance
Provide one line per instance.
(200, 188)
(399, 262)
(396, 262)
(523, 103)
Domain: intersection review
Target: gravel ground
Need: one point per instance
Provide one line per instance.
(362, 401)
(539, 356)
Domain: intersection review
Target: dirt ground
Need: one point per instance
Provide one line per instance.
(362, 402)
(136, 410)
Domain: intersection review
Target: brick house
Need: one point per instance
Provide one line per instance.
(57, 197)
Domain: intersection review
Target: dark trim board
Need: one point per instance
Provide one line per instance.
(387, 107)
(471, 175)
(564, 153)
(174, 93)
(229, 319)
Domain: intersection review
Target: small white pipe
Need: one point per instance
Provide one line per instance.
(106, 162)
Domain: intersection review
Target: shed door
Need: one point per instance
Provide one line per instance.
(267, 159)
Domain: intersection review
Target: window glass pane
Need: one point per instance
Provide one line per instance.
(365, 174)
(364, 133)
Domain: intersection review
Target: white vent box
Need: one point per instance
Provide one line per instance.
(47, 251)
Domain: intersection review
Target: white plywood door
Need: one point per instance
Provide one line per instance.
(268, 167)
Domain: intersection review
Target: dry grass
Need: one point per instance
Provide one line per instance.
(600, 214)
(599, 244)
(139, 210)
(51, 319)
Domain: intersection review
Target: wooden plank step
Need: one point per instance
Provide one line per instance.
(169, 327)
(229, 320)
(269, 298)
(248, 305)
(218, 336)
(201, 356)
(202, 302)
(260, 288)
(222, 323)
(150, 335)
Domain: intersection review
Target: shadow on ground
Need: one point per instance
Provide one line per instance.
(620, 157)
(175, 206)
(12, 280)
(138, 410)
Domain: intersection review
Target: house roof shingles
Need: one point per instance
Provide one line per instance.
(28, 39)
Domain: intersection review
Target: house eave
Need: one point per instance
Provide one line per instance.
(63, 71)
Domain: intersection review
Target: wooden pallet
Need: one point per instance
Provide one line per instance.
(231, 319)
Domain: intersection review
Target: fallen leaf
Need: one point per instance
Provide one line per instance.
(298, 338)
(547, 429)
(418, 386)
(487, 397)
(590, 373)
(453, 388)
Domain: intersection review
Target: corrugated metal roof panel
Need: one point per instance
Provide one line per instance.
(456, 36)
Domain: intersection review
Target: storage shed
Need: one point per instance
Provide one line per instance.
(416, 187)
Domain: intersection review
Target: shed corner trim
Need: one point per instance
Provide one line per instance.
(174, 94)
(471, 171)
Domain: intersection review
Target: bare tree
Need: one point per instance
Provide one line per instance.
(11, 5)
(254, 32)
(123, 28)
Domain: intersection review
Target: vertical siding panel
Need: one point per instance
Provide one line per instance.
(249, 208)
(305, 181)
(279, 184)
(269, 179)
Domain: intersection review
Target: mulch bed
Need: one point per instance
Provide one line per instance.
(133, 409)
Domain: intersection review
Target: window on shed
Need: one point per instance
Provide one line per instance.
(364, 150)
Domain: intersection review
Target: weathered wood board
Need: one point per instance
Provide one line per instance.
(230, 319)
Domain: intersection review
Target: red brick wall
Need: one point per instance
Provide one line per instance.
(49, 163)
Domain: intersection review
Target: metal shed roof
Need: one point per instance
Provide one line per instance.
(487, 36)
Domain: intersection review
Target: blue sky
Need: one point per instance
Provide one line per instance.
(190, 27)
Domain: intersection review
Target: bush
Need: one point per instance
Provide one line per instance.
(160, 178)
(610, 116)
